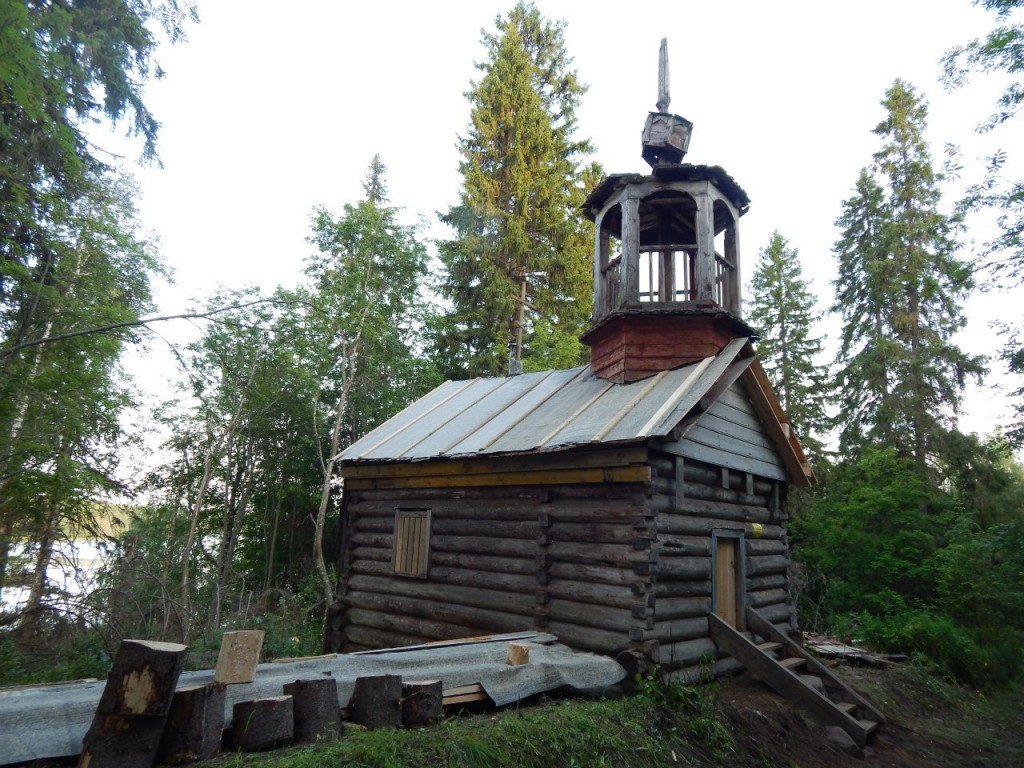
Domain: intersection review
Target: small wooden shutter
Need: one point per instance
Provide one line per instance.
(412, 542)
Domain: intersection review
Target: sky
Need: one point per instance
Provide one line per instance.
(272, 109)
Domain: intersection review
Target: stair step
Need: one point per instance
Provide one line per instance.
(793, 662)
(868, 726)
(846, 706)
(769, 647)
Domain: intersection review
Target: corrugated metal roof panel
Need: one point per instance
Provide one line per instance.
(536, 389)
(548, 410)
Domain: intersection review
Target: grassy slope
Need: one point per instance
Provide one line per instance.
(736, 723)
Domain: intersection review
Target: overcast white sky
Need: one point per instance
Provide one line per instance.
(274, 108)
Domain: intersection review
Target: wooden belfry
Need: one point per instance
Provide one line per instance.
(666, 256)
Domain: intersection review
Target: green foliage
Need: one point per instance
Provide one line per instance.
(868, 541)
(950, 647)
(899, 291)
(517, 222)
(75, 655)
(888, 558)
(782, 311)
(1001, 259)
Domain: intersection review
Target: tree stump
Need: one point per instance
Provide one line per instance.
(195, 725)
(238, 657)
(376, 701)
(317, 715)
(263, 724)
(421, 703)
(129, 721)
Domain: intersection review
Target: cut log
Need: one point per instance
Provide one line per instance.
(263, 724)
(239, 655)
(421, 703)
(130, 716)
(195, 725)
(315, 705)
(517, 654)
(376, 701)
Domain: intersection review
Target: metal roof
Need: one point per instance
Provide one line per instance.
(540, 411)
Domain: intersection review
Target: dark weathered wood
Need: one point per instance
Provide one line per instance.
(610, 595)
(362, 638)
(415, 627)
(674, 523)
(768, 581)
(129, 721)
(421, 703)
(592, 532)
(619, 555)
(675, 630)
(598, 574)
(687, 653)
(485, 563)
(315, 704)
(459, 595)
(262, 724)
(588, 638)
(195, 725)
(709, 508)
(710, 493)
(590, 615)
(503, 581)
(377, 701)
(614, 457)
(483, 544)
(767, 597)
(682, 568)
(684, 546)
(601, 475)
(783, 679)
(670, 608)
(762, 565)
(762, 546)
(436, 610)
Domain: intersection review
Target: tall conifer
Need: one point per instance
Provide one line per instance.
(517, 224)
(782, 311)
(899, 292)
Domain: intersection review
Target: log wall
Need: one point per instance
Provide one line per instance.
(571, 559)
(693, 499)
(605, 566)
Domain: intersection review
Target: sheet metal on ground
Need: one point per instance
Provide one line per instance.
(50, 721)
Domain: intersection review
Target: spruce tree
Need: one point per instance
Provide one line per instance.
(521, 253)
(782, 310)
(899, 291)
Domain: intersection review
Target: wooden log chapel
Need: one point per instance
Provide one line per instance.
(617, 505)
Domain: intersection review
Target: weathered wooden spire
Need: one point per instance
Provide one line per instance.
(666, 136)
(663, 98)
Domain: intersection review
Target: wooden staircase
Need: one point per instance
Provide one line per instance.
(792, 673)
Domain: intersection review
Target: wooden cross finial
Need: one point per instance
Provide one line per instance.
(663, 97)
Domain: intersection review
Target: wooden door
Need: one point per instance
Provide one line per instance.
(727, 582)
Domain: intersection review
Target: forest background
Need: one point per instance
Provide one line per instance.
(216, 506)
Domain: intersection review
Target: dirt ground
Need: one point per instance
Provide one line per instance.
(929, 723)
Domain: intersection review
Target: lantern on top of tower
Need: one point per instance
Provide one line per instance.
(666, 256)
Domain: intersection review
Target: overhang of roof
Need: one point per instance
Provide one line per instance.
(561, 410)
(681, 172)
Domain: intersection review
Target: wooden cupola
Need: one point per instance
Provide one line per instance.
(666, 257)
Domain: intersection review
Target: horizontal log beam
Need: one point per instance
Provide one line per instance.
(599, 475)
(671, 608)
(461, 467)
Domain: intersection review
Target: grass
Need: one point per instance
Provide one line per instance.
(631, 732)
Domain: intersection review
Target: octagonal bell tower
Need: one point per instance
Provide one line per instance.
(666, 256)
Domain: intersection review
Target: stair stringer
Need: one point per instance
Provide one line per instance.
(788, 683)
